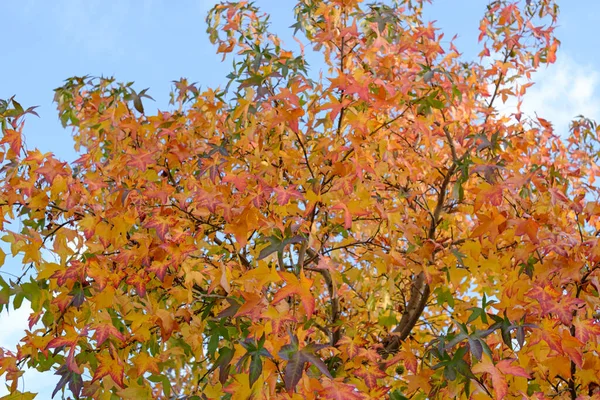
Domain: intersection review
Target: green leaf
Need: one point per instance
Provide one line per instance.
(18, 300)
(397, 395)
(287, 351)
(255, 369)
(275, 245)
(388, 321)
(18, 107)
(445, 296)
(225, 356)
(456, 93)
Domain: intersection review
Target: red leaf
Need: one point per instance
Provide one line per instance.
(284, 195)
(141, 161)
(552, 302)
(587, 330)
(161, 225)
(506, 368)
(104, 330)
(347, 214)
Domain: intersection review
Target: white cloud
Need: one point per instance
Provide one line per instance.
(561, 92)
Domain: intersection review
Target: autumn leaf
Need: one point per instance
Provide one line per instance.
(145, 363)
(295, 286)
(586, 330)
(14, 139)
(370, 374)
(551, 302)
(107, 365)
(336, 390)
(389, 224)
(528, 227)
(297, 358)
(106, 330)
(285, 194)
(351, 345)
(497, 373)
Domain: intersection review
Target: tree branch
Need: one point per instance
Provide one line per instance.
(334, 313)
(420, 290)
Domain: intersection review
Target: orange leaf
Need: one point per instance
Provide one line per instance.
(498, 381)
(13, 138)
(337, 390)
(528, 227)
(107, 365)
(301, 287)
(145, 363)
(573, 347)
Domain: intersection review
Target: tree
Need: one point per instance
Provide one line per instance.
(380, 230)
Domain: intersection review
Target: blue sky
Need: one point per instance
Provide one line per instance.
(153, 42)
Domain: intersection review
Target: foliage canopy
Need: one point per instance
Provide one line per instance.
(381, 230)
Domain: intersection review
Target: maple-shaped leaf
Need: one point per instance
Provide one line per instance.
(528, 227)
(51, 169)
(14, 140)
(160, 268)
(160, 224)
(552, 302)
(141, 160)
(492, 225)
(255, 350)
(278, 245)
(573, 347)
(491, 194)
(253, 305)
(145, 363)
(285, 194)
(336, 389)
(69, 341)
(107, 365)
(300, 287)
(370, 373)
(138, 280)
(240, 181)
(297, 358)
(69, 377)
(497, 373)
(351, 345)
(106, 329)
(587, 330)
